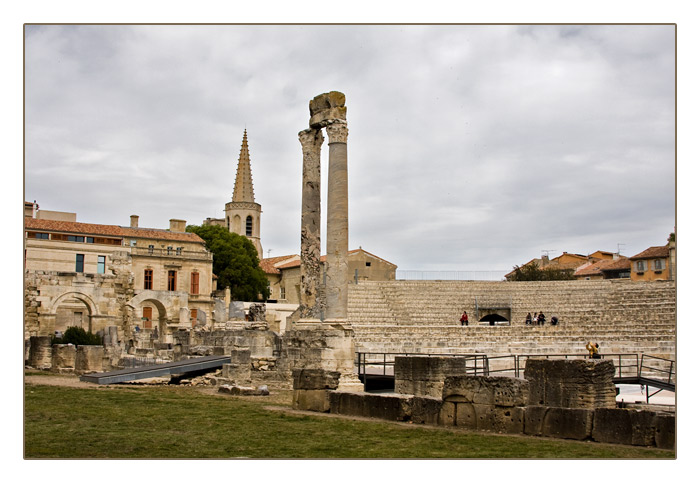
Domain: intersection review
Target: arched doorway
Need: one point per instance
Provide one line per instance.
(73, 309)
(493, 318)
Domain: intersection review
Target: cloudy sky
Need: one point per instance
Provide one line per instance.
(471, 147)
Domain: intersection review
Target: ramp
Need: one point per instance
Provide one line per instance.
(158, 370)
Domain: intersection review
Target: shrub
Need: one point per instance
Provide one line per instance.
(77, 336)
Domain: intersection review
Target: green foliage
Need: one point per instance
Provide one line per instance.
(77, 336)
(236, 262)
(533, 273)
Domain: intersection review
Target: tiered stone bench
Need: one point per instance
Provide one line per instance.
(423, 316)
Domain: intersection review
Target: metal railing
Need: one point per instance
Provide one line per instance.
(172, 252)
(133, 362)
(628, 367)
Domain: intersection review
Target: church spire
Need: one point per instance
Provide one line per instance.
(243, 188)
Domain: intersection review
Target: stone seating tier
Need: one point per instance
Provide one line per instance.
(423, 316)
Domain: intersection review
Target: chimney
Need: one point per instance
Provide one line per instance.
(134, 221)
(177, 226)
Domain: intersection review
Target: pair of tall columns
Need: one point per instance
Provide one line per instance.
(334, 307)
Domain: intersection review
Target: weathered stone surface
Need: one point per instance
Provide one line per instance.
(326, 107)
(315, 379)
(567, 423)
(89, 358)
(423, 375)
(665, 431)
(310, 255)
(40, 352)
(491, 390)
(624, 426)
(63, 358)
(311, 400)
(426, 410)
(256, 313)
(571, 383)
(390, 407)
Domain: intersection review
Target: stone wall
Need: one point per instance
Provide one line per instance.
(425, 376)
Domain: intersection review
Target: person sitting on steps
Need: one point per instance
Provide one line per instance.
(465, 319)
(528, 319)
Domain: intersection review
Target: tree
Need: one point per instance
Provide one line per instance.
(532, 273)
(236, 262)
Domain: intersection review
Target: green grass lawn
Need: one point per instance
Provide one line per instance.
(183, 422)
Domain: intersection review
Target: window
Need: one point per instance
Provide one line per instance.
(79, 262)
(249, 226)
(172, 280)
(641, 266)
(150, 249)
(89, 239)
(75, 238)
(101, 263)
(170, 250)
(38, 236)
(659, 264)
(194, 283)
(148, 279)
(132, 243)
(178, 251)
(283, 293)
(368, 264)
(147, 317)
(193, 316)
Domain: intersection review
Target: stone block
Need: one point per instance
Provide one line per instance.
(236, 311)
(665, 431)
(567, 423)
(240, 356)
(315, 379)
(326, 107)
(380, 406)
(40, 352)
(534, 417)
(423, 375)
(89, 358)
(624, 426)
(63, 358)
(311, 400)
(426, 410)
(488, 390)
(581, 383)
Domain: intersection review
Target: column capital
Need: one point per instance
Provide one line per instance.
(311, 139)
(337, 131)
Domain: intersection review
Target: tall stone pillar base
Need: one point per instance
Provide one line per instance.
(327, 345)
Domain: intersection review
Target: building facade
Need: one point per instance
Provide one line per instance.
(147, 280)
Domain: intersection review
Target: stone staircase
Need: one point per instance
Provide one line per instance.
(423, 316)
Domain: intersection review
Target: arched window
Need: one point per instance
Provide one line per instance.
(228, 223)
(249, 226)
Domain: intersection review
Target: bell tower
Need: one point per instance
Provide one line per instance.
(242, 212)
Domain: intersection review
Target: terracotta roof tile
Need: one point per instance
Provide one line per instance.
(603, 266)
(652, 252)
(108, 230)
(269, 265)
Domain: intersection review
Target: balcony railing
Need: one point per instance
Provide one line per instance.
(173, 252)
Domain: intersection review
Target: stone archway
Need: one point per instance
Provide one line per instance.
(72, 309)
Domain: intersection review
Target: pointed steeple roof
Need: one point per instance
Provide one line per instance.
(243, 188)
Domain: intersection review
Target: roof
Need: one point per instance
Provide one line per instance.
(295, 261)
(269, 265)
(652, 252)
(108, 230)
(622, 263)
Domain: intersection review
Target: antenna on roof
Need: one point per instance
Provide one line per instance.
(619, 251)
(268, 252)
(546, 252)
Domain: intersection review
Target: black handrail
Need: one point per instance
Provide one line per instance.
(481, 364)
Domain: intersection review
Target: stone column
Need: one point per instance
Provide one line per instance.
(337, 222)
(311, 141)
